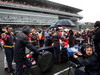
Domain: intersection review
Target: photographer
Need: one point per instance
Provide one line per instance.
(89, 60)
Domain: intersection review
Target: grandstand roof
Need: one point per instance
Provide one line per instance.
(49, 4)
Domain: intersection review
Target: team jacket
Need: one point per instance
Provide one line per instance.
(8, 40)
(21, 43)
(90, 62)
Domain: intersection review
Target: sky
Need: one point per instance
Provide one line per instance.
(91, 8)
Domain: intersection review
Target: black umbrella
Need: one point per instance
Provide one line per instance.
(65, 22)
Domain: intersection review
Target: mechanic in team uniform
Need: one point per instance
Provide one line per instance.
(8, 39)
(22, 64)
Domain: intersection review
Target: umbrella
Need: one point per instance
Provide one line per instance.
(65, 22)
(53, 26)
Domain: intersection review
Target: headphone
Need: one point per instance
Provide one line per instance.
(83, 48)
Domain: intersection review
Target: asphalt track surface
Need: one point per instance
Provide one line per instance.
(58, 69)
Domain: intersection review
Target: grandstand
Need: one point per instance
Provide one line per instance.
(35, 12)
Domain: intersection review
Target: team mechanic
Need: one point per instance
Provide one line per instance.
(21, 42)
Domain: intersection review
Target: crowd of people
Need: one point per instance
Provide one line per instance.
(15, 44)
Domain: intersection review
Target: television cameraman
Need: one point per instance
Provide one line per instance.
(89, 60)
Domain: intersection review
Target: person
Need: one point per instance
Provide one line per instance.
(71, 38)
(1, 41)
(8, 48)
(2, 32)
(57, 45)
(48, 38)
(23, 65)
(0, 37)
(97, 38)
(40, 38)
(89, 59)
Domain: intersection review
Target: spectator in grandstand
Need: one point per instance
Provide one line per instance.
(8, 46)
(89, 60)
(23, 65)
(97, 38)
